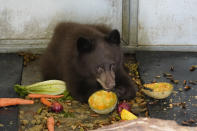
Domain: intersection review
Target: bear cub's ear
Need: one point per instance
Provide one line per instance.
(84, 45)
(114, 37)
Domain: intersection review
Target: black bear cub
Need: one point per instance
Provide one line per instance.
(88, 58)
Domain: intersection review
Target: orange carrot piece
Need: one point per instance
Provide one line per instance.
(44, 95)
(14, 101)
(50, 123)
(45, 102)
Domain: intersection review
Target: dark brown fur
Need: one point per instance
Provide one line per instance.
(63, 61)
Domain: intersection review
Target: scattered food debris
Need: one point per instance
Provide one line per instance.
(184, 82)
(153, 102)
(170, 78)
(94, 115)
(175, 81)
(124, 105)
(170, 105)
(180, 89)
(181, 104)
(192, 82)
(157, 77)
(185, 123)
(28, 57)
(193, 67)
(167, 75)
(147, 114)
(188, 122)
(127, 115)
(186, 88)
(172, 68)
(153, 81)
(78, 116)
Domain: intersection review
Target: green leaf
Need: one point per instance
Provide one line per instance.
(68, 114)
(20, 90)
(65, 97)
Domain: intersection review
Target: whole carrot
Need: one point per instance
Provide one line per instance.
(45, 102)
(14, 101)
(44, 95)
(50, 123)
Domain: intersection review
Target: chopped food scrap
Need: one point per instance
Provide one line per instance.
(188, 122)
(174, 81)
(186, 88)
(181, 104)
(192, 82)
(14, 101)
(45, 102)
(157, 76)
(192, 68)
(124, 105)
(172, 68)
(167, 75)
(28, 57)
(126, 115)
(170, 105)
(184, 82)
(56, 107)
(50, 124)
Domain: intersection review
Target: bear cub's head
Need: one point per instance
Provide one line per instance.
(99, 58)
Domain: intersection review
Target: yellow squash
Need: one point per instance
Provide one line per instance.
(102, 102)
(126, 115)
(159, 90)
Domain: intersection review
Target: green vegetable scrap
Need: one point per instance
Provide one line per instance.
(49, 87)
(65, 97)
(68, 114)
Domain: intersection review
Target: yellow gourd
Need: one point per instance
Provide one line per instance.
(126, 115)
(102, 102)
(159, 90)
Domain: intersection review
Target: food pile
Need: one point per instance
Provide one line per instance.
(28, 57)
(103, 102)
(52, 94)
(68, 114)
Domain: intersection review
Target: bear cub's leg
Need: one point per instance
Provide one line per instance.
(125, 86)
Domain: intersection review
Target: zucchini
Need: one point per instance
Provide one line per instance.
(49, 87)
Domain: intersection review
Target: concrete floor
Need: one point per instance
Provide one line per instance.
(31, 73)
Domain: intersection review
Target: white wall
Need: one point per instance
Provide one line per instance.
(167, 22)
(30, 23)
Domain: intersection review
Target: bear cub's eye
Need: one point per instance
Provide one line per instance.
(100, 69)
(112, 66)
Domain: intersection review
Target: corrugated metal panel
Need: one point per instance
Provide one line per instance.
(167, 22)
(34, 20)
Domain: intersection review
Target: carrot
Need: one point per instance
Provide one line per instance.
(45, 102)
(14, 101)
(50, 123)
(44, 95)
